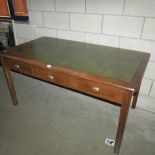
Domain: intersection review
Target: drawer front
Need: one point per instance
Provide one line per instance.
(90, 87)
(43, 74)
(18, 66)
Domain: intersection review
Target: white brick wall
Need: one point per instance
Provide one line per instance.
(56, 20)
(40, 32)
(41, 5)
(150, 72)
(24, 31)
(123, 26)
(140, 8)
(105, 6)
(128, 24)
(21, 40)
(146, 102)
(86, 22)
(152, 93)
(36, 18)
(138, 45)
(70, 5)
(145, 87)
(70, 35)
(149, 29)
(102, 39)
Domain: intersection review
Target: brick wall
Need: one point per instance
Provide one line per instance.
(128, 24)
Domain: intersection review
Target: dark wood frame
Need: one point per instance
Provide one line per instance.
(124, 93)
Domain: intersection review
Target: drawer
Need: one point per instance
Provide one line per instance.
(86, 86)
(43, 73)
(18, 66)
(90, 87)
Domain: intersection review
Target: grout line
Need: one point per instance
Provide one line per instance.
(134, 38)
(56, 33)
(150, 88)
(55, 28)
(43, 19)
(85, 37)
(126, 15)
(122, 36)
(61, 29)
(85, 6)
(46, 28)
(54, 6)
(119, 40)
(124, 6)
(69, 21)
(142, 28)
(102, 23)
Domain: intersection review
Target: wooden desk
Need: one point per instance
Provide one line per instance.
(107, 73)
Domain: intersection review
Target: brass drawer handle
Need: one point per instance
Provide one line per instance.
(96, 89)
(17, 66)
(51, 76)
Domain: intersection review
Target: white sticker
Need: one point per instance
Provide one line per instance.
(110, 142)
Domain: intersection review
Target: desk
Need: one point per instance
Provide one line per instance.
(107, 73)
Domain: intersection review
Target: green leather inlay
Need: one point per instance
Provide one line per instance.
(101, 60)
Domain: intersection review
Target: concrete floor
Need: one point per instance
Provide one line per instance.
(53, 121)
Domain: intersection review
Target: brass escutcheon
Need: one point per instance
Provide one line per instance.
(51, 76)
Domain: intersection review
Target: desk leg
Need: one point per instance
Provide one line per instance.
(134, 102)
(122, 121)
(10, 84)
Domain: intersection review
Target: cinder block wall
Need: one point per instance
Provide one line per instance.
(128, 24)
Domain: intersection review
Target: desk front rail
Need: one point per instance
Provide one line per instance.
(51, 75)
(120, 96)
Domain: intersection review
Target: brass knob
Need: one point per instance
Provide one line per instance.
(97, 89)
(17, 66)
(51, 77)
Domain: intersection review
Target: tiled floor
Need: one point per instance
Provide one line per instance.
(53, 121)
